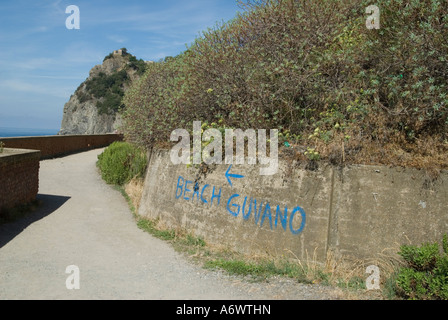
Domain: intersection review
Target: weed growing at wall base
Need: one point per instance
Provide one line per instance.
(426, 275)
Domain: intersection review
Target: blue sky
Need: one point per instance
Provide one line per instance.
(42, 62)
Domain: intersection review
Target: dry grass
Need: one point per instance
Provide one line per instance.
(349, 274)
(345, 268)
(134, 190)
(428, 153)
(377, 142)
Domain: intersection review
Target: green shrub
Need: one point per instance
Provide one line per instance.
(137, 65)
(121, 162)
(109, 89)
(426, 274)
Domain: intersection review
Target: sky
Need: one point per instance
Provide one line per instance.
(42, 62)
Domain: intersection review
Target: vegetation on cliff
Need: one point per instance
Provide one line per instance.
(109, 89)
(313, 70)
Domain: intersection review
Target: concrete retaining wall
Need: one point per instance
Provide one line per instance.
(356, 211)
(19, 177)
(379, 208)
(54, 146)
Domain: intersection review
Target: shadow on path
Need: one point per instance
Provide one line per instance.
(48, 204)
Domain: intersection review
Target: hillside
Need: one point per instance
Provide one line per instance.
(342, 92)
(93, 108)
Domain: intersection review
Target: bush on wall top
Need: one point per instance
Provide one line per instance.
(377, 96)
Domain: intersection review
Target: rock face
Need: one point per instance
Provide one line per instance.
(81, 112)
(83, 118)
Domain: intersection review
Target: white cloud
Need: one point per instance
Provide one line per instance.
(81, 53)
(117, 39)
(55, 77)
(35, 63)
(20, 85)
(179, 18)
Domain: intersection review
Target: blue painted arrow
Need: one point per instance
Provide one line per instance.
(229, 175)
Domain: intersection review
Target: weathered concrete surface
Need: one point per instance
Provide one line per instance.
(216, 223)
(380, 208)
(357, 211)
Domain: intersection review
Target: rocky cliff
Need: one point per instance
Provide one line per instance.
(93, 108)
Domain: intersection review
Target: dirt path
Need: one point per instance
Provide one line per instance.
(84, 222)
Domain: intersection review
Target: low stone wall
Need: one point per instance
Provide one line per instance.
(19, 162)
(55, 146)
(356, 211)
(19, 177)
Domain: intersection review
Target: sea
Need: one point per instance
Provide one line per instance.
(23, 132)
